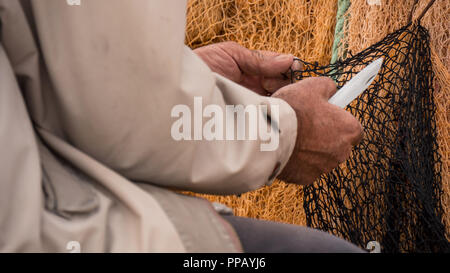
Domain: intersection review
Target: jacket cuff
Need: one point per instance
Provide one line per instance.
(287, 125)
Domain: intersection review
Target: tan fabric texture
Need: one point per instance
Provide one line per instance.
(88, 92)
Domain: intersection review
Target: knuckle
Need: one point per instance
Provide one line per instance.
(230, 46)
(358, 131)
(328, 83)
(347, 154)
(258, 55)
(357, 127)
(344, 155)
(258, 59)
(352, 123)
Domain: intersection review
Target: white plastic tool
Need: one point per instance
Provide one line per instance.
(352, 89)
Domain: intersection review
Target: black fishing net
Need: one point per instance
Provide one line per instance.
(389, 191)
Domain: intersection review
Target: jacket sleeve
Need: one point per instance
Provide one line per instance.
(121, 78)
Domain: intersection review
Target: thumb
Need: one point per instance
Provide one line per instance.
(258, 62)
(323, 86)
(267, 64)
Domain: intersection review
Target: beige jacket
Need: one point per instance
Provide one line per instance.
(86, 94)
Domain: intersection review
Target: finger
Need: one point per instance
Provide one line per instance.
(323, 86)
(271, 85)
(326, 87)
(253, 83)
(358, 134)
(297, 65)
(260, 63)
(354, 128)
(267, 53)
(270, 64)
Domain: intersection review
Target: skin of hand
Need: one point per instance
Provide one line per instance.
(326, 133)
(260, 71)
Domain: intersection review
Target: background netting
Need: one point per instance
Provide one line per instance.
(306, 28)
(390, 189)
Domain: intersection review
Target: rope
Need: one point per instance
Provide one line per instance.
(425, 10)
(343, 6)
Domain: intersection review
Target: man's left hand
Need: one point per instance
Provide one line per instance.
(260, 71)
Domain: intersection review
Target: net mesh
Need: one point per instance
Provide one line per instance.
(303, 28)
(366, 24)
(390, 189)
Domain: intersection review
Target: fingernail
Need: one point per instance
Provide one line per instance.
(266, 85)
(297, 65)
(284, 57)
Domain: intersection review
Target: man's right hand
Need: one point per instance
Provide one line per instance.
(326, 133)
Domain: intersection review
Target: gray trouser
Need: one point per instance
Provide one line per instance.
(258, 236)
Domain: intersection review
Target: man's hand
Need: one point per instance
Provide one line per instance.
(260, 71)
(325, 134)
